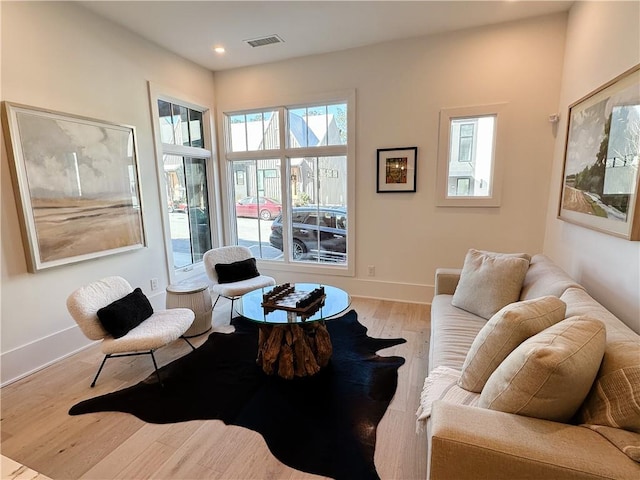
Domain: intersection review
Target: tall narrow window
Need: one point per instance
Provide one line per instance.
(185, 175)
(291, 192)
(468, 168)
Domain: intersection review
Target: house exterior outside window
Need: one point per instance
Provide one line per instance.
(283, 164)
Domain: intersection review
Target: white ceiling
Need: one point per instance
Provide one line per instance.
(192, 28)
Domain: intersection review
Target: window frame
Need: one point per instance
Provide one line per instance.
(284, 153)
(444, 151)
(156, 93)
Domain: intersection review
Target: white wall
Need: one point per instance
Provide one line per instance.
(62, 57)
(602, 42)
(400, 88)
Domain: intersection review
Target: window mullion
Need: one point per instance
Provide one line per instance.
(327, 151)
(235, 156)
(184, 150)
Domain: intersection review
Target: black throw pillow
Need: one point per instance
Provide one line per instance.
(126, 313)
(237, 271)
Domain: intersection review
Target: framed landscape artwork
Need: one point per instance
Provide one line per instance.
(76, 185)
(600, 178)
(396, 171)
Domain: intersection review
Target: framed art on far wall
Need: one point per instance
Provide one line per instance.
(76, 184)
(396, 169)
(600, 177)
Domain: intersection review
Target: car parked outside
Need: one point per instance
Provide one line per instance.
(317, 232)
(255, 207)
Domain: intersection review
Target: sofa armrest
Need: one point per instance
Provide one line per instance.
(447, 280)
(475, 443)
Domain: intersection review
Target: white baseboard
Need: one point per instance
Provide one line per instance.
(27, 359)
(397, 292)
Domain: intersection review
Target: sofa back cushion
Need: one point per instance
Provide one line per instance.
(544, 277)
(489, 281)
(579, 302)
(549, 375)
(507, 329)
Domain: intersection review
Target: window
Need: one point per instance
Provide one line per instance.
(290, 180)
(468, 167)
(185, 181)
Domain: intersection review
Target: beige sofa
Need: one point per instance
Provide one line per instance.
(466, 442)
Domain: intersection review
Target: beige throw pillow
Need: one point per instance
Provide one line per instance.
(614, 399)
(489, 281)
(549, 375)
(507, 329)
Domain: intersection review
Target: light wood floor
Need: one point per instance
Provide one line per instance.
(38, 432)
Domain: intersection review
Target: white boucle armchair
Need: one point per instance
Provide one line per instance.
(160, 329)
(232, 290)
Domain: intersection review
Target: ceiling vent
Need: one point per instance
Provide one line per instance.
(262, 41)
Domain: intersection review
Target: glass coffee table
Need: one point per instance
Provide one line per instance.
(293, 344)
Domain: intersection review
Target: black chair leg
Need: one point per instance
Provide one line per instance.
(215, 303)
(155, 365)
(93, 384)
(187, 340)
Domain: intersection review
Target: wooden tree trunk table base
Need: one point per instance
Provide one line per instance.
(293, 350)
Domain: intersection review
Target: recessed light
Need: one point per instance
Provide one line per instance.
(219, 49)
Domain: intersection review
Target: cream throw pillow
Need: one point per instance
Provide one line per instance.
(507, 329)
(489, 281)
(549, 375)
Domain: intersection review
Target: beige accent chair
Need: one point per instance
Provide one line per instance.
(233, 290)
(160, 329)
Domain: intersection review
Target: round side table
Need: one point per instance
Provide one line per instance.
(195, 297)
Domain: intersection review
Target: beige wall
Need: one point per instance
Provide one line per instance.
(62, 57)
(602, 42)
(400, 88)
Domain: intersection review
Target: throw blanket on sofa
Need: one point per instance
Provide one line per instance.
(442, 384)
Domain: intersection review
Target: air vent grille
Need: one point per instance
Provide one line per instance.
(262, 41)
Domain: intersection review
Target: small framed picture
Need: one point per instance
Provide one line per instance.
(396, 169)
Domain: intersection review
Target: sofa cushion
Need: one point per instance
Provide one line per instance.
(614, 399)
(507, 329)
(627, 442)
(489, 281)
(549, 375)
(452, 333)
(545, 278)
(579, 302)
